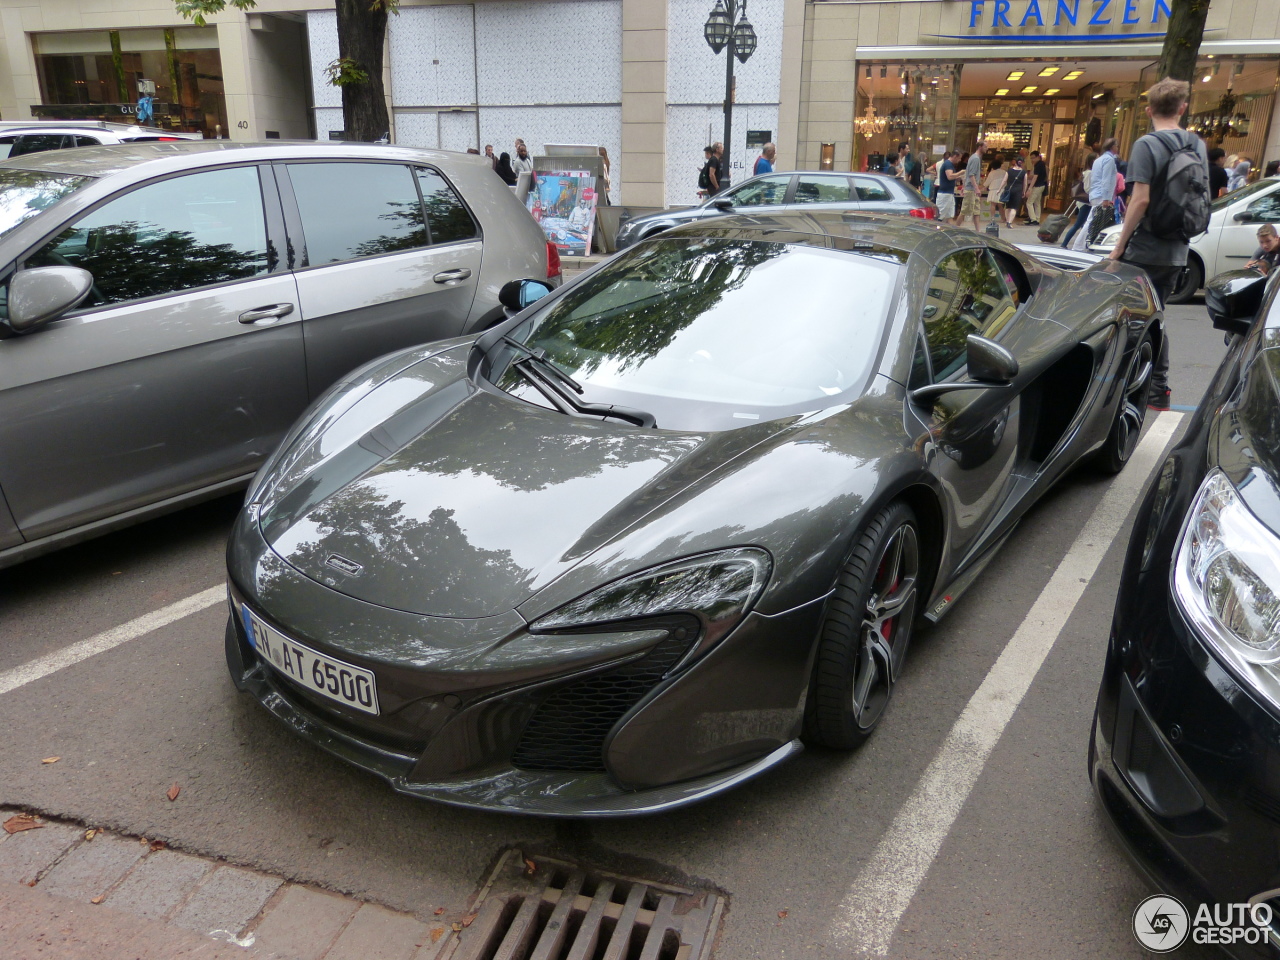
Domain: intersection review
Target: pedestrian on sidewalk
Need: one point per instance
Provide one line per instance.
(488, 155)
(704, 172)
(1037, 184)
(1239, 175)
(971, 206)
(1102, 195)
(522, 163)
(764, 162)
(994, 185)
(506, 171)
(1080, 196)
(1166, 189)
(948, 173)
(719, 176)
(1014, 187)
(1218, 176)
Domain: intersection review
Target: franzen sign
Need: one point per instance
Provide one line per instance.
(1070, 20)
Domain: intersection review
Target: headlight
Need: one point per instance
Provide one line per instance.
(718, 588)
(1107, 239)
(1227, 582)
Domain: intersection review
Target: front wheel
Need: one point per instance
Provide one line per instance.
(1189, 281)
(1127, 426)
(864, 637)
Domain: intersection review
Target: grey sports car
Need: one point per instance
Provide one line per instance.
(638, 543)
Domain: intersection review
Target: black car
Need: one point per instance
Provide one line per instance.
(1185, 752)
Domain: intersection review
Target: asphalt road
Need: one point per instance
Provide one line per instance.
(1025, 869)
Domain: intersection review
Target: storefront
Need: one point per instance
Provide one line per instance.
(1058, 76)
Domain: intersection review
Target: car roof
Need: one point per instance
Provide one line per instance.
(161, 157)
(19, 126)
(885, 234)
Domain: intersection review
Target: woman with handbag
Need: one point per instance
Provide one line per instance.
(1080, 194)
(1014, 184)
(996, 179)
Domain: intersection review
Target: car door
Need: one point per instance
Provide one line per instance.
(824, 191)
(974, 432)
(1239, 238)
(181, 370)
(390, 258)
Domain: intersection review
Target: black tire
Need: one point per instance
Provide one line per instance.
(864, 638)
(1131, 413)
(1189, 282)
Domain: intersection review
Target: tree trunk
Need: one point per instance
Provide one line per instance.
(361, 32)
(1182, 41)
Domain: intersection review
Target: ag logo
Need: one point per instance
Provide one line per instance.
(1161, 924)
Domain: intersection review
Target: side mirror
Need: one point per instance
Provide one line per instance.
(41, 294)
(515, 295)
(991, 366)
(1233, 299)
(1244, 216)
(722, 203)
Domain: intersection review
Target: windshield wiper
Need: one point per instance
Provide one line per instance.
(539, 356)
(534, 371)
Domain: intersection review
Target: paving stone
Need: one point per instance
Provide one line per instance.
(376, 933)
(302, 923)
(158, 884)
(227, 900)
(24, 855)
(88, 870)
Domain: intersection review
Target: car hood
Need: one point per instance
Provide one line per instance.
(487, 501)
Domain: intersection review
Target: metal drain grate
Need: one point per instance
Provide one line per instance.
(544, 909)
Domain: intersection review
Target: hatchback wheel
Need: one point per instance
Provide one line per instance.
(866, 632)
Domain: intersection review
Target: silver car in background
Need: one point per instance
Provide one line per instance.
(794, 192)
(167, 310)
(21, 137)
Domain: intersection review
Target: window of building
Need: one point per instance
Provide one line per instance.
(446, 215)
(178, 234)
(352, 210)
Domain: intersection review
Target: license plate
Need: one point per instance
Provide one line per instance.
(343, 682)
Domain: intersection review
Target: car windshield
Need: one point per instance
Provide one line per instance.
(755, 329)
(25, 193)
(1248, 190)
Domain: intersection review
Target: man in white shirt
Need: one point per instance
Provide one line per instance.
(1102, 193)
(521, 162)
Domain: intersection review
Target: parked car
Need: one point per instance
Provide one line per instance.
(1229, 242)
(585, 563)
(1186, 735)
(18, 138)
(772, 193)
(168, 309)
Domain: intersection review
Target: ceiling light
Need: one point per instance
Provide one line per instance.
(1206, 78)
(1052, 90)
(1002, 91)
(1030, 89)
(1016, 75)
(1048, 71)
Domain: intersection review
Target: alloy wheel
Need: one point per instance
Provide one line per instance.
(886, 625)
(1133, 405)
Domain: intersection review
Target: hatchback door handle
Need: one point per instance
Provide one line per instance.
(448, 276)
(271, 312)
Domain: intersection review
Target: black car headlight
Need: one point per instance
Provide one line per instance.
(1226, 579)
(718, 588)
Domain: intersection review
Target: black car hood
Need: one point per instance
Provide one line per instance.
(492, 500)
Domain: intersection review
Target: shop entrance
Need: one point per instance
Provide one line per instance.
(1065, 110)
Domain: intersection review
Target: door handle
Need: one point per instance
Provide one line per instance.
(271, 312)
(448, 276)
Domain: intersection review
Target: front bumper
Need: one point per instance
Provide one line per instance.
(453, 724)
(1184, 760)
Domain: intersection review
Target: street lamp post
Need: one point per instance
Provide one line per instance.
(727, 26)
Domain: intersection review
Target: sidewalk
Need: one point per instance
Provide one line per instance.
(68, 892)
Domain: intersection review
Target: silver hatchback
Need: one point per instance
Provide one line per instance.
(167, 310)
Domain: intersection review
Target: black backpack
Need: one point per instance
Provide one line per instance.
(1180, 192)
(704, 176)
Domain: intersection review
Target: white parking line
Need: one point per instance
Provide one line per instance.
(43, 666)
(869, 914)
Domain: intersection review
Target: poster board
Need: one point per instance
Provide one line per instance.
(564, 205)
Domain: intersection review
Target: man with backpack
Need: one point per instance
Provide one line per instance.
(704, 174)
(1169, 170)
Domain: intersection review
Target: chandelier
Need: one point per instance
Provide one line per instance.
(869, 124)
(999, 140)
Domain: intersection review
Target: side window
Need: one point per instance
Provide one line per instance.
(818, 189)
(869, 189)
(446, 216)
(966, 295)
(178, 234)
(919, 367)
(37, 143)
(82, 141)
(7, 144)
(352, 209)
(760, 192)
(1266, 209)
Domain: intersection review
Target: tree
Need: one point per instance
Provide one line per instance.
(1182, 40)
(362, 29)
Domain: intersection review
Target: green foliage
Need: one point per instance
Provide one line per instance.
(345, 72)
(197, 10)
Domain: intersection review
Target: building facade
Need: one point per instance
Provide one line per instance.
(834, 83)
